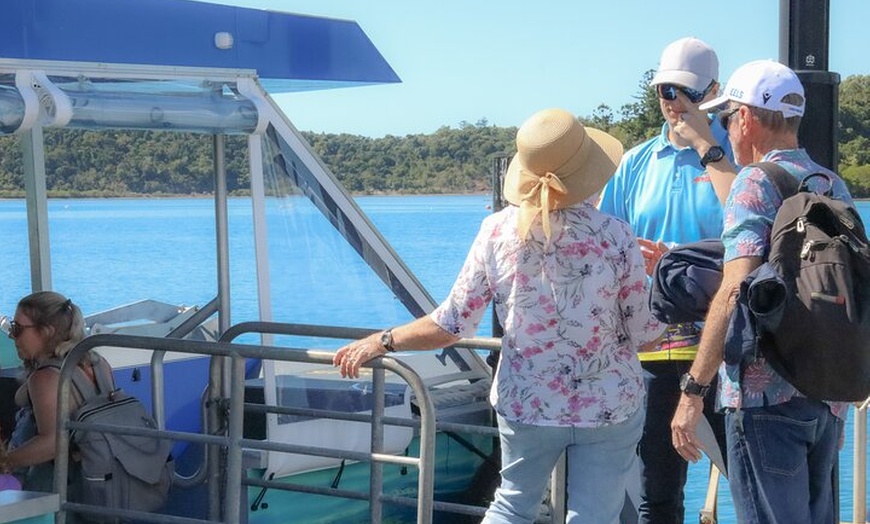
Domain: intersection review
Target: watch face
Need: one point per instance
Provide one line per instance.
(689, 386)
(684, 381)
(714, 154)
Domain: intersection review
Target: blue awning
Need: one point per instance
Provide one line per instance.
(289, 52)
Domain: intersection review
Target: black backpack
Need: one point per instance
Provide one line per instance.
(815, 331)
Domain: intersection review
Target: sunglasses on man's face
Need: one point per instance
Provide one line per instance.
(725, 115)
(669, 92)
(16, 329)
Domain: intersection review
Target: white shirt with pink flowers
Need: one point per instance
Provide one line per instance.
(574, 311)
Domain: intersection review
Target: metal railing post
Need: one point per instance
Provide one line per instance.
(376, 484)
(234, 441)
(233, 481)
(859, 466)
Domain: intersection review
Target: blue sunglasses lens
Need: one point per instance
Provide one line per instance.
(669, 92)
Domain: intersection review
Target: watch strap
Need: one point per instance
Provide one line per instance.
(689, 386)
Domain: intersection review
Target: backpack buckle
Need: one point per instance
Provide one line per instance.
(846, 222)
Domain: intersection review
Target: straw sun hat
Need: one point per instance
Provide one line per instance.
(558, 163)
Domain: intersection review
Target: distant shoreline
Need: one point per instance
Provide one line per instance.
(245, 194)
(134, 196)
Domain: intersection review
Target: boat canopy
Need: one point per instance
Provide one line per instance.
(289, 52)
(180, 65)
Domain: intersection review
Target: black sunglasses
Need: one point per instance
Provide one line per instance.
(669, 92)
(16, 329)
(724, 116)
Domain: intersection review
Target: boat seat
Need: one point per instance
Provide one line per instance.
(458, 402)
(28, 507)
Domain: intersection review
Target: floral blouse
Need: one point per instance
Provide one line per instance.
(574, 311)
(749, 213)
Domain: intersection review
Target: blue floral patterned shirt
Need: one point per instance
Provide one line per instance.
(749, 212)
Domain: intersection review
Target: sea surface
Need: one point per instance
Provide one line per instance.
(108, 252)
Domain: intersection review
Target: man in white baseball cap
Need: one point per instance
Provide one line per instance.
(781, 445)
(764, 84)
(669, 189)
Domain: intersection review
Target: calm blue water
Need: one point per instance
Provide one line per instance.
(111, 252)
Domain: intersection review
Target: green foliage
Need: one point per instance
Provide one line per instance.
(451, 160)
(855, 134)
(638, 121)
(120, 163)
(858, 180)
(641, 119)
(448, 161)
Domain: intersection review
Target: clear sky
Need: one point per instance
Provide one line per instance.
(502, 60)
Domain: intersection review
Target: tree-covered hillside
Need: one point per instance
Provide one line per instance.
(451, 160)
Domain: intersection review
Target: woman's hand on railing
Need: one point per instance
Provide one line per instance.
(350, 357)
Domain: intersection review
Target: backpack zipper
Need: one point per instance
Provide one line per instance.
(833, 299)
(846, 222)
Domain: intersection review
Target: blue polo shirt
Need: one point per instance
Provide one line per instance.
(665, 195)
(663, 192)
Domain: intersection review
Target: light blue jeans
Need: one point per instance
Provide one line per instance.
(599, 463)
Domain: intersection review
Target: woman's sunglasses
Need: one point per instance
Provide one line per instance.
(669, 92)
(16, 329)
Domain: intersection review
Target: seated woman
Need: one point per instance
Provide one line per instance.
(46, 327)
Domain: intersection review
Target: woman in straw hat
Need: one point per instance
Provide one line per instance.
(569, 287)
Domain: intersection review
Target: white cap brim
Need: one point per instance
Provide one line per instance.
(717, 102)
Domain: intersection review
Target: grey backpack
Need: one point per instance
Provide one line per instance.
(814, 330)
(118, 471)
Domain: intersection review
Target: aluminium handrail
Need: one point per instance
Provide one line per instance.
(341, 332)
(326, 331)
(859, 464)
(233, 441)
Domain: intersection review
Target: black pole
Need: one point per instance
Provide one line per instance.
(804, 27)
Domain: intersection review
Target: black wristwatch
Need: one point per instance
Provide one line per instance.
(690, 387)
(714, 154)
(387, 340)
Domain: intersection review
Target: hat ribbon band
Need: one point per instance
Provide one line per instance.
(531, 205)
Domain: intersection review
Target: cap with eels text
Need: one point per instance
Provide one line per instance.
(764, 84)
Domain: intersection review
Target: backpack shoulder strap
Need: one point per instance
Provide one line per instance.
(103, 374)
(83, 384)
(80, 381)
(785, 183)
(53, 362)
(105, 384)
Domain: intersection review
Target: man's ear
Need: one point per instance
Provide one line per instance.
(746, 123)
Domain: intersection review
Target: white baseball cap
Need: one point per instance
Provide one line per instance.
(762, 83)
(688, 62)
